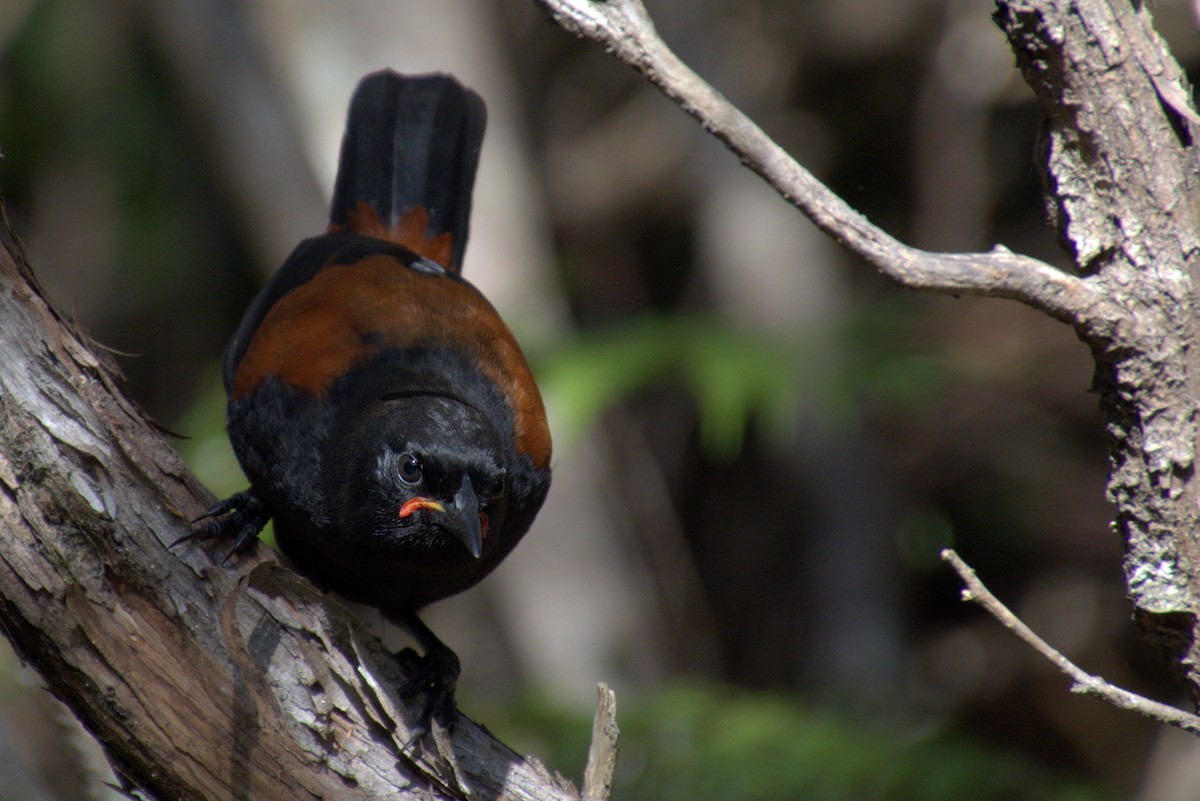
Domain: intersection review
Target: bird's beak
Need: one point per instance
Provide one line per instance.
(461, 518)
(464, 518)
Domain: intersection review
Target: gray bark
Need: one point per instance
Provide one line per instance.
(1121, 183)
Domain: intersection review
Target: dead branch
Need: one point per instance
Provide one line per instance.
(1082, 682)
(602, 756)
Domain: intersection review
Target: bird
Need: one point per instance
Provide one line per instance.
(383, 412)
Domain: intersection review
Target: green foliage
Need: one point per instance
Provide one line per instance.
(698, 742)
(737, 376)
(733, 375)
(80, 92)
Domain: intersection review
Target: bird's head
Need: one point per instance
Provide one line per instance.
(425, 474)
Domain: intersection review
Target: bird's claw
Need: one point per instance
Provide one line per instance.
(242, 515)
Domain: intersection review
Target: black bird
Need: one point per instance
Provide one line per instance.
(382, 410)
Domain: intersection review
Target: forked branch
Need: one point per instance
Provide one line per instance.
(624, 28)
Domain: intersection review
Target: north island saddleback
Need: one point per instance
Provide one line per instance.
(381, 409)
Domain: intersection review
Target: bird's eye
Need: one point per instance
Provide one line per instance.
(409, 469)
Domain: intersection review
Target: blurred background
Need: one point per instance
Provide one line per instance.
(760, 445)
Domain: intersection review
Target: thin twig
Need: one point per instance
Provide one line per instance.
(624, 28)
(602, 755)
(1082, 682)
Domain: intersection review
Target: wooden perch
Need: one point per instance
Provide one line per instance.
(202, 681)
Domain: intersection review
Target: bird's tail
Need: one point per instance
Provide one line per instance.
(408, 163)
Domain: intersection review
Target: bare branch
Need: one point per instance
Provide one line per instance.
(624, 28)
(1082, 682)
(602, 756)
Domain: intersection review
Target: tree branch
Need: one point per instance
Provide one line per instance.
(624, 28)
(202, 681)
(1082, 682)
(602, 756)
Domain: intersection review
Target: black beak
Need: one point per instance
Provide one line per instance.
(465, 517)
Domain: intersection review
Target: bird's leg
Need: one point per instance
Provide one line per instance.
(433, 674)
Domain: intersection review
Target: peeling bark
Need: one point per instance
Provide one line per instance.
(1122, 180)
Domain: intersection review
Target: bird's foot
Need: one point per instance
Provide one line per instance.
(240, 517)
(434, 677)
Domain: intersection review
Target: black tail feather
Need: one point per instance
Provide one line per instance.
(411, 142)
